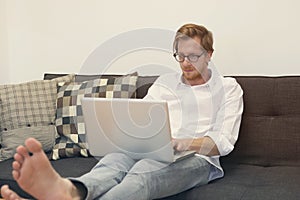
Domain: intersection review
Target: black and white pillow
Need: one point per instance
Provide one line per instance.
(69, 118)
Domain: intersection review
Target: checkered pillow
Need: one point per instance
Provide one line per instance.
(28, 110)
(70, 122)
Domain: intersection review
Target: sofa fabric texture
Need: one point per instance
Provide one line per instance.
(265, 163)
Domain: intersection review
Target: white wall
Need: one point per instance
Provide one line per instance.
(251, 37)
(4, 67)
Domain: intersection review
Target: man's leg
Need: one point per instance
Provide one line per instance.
(158, 181)
(35, 175)
(108, 173)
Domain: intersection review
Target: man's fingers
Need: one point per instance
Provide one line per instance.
(175, 144)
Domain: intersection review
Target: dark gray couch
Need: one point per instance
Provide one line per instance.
(265, 163)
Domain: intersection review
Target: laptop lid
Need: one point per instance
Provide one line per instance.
(137, 127)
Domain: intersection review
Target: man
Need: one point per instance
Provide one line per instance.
(205, 115)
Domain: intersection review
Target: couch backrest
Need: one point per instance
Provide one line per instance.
(270, 129)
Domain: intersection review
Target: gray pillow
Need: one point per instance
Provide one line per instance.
(28, 110)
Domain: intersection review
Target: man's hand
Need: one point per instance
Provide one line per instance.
(182, 144)
(204, 145)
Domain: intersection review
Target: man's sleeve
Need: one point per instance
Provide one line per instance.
(226, 128)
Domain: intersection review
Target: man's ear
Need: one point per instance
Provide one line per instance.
(209, 55)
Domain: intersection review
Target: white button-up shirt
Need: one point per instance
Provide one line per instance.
(212, 109)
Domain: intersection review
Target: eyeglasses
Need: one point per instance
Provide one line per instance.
(191, 58)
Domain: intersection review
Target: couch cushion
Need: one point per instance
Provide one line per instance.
(70, 122)
(269, 133)
(28, 110)
(243, 182)
(248, 182)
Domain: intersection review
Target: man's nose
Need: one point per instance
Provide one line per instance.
(186, 61)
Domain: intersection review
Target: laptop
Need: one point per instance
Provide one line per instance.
(137, 127)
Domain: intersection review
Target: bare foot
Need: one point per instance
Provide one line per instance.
(8, 194)
(35, 175)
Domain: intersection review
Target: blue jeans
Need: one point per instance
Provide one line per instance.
(117, 176)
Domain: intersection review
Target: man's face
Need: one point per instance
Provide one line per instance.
(192, 70)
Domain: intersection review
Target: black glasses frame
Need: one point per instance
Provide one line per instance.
(191, 58)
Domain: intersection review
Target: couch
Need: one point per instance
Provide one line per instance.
(265, 163)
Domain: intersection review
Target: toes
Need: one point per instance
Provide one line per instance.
(16, 174)
(33, 145)
(8, 194)
(16, 165)
(4, 190)
(22, 151)
(19, 158)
